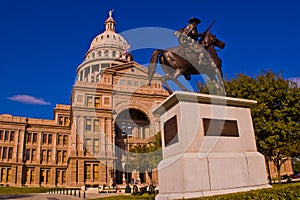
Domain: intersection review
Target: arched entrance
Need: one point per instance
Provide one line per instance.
(140, 130)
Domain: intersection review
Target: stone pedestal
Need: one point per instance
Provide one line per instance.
(208, 147)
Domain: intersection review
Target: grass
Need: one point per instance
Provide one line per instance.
(22, 190)
(266, 194)
(129, 197)
(290, 189)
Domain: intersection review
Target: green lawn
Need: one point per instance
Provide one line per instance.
(281, 192)
(129, 197)
(289, 191)
(21, 190)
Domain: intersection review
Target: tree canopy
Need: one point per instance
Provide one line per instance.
(146, 158)
(276, 116)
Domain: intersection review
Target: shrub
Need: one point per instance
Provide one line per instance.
(282, 192)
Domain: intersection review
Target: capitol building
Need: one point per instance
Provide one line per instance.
(83, 144)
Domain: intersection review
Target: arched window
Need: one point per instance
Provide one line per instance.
(106, 53)
(114, 53)
(99, 53)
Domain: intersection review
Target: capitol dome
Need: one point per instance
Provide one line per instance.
(109, 44)
(105, 48)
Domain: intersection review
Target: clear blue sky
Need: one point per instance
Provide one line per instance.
(43, 42)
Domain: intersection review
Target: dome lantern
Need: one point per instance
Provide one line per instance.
(110, 22)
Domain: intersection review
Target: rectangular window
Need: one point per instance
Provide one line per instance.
(97, 102)
(48, 176)
(1, 135)
(64, 156)
(50, 139)
(12, 136)
(45, 176)
(3, 175)
(0, 152)
(28, 137)
(96, 145)
(10, 152)
(59, 140)
(66, 121)
(48, 155)
(58, 177)
(65, 142)
(44, 139)
(96, 125)
(96, 172)
(33, 157)
(32, 176)
(6, 135)
(27, 171)
(27, 154)
(44, 155)
(88, 124)
(88, 144)
(87, 171)
(34, 137)
(64, 176)
(4, 152)
(59, 156)
(8, 174)
(89, 101)
(61, 120)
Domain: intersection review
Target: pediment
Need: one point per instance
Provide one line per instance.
(131, 69)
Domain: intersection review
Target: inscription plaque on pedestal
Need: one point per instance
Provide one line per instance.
(219, 127)
(170, 131)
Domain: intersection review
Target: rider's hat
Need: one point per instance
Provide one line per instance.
(194, 19)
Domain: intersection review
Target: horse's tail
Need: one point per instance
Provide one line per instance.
(153, 64)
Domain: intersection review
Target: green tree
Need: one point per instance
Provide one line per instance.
(146, 158)
(296, 165)
(275, 116)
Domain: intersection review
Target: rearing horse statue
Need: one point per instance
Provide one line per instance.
(200, 58)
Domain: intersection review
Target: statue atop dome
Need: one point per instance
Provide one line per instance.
(110, 13)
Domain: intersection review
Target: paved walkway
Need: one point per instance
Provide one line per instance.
(44, 196)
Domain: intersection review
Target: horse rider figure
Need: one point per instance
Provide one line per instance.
(188, 37)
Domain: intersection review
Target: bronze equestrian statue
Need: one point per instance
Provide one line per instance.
(192, 56)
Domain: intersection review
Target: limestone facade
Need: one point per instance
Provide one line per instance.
(84, 144)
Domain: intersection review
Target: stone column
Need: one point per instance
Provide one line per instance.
(13, 176)
(53, 176)
(102, 136)
(38, 148)
(16, 147)
(37, 177)
(54, 149)
(80, 173)
(20, 175)
(21, 135)
(109, 140)
(72, 173)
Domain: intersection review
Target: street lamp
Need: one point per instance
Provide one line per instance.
(126, 130)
